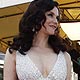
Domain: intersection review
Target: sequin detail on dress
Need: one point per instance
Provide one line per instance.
(26, 69)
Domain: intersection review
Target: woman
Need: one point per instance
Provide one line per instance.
(38, 52)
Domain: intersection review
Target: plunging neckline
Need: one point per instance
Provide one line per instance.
(34, 65)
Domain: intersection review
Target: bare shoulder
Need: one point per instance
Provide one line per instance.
(67, 56)
(69, 65)
(11, 56)
(10, 66)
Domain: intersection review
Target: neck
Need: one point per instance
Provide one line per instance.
(41, 40)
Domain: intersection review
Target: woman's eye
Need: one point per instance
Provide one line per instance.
(50, 15)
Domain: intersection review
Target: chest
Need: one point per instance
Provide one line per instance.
(44, 62)
(40, 67)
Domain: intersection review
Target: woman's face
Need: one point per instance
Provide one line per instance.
(51, 22)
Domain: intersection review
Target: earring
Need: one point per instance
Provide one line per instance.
(33, 29)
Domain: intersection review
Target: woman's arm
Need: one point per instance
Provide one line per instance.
(10, 66)
(69, 66)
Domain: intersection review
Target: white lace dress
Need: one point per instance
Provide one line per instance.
(27, 70)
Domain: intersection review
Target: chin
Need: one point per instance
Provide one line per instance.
(51, 34)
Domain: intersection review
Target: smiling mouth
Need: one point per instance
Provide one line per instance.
(54, 27)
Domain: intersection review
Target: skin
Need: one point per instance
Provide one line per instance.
(41, 54)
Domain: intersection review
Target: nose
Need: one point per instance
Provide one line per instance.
(55, 20)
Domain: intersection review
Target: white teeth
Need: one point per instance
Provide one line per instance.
(51, 26)
(54, 27)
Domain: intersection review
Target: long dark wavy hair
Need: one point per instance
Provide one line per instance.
(30, 23)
